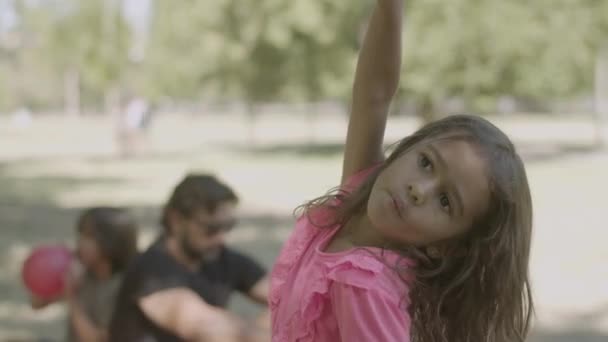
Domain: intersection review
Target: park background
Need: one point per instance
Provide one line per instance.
(257, 92)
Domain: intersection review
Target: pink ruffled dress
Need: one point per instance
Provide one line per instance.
(353, 295)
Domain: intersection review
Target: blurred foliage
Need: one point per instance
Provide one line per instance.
(280, 50)
(483, 49)
(56, 38)
(257, 50)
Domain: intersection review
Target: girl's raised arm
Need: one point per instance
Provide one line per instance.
(376, 81)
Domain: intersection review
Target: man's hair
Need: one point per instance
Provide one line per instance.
(195, 192)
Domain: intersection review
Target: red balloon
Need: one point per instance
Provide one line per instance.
(45, 269)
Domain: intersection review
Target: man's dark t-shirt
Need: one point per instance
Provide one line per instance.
(155, 270)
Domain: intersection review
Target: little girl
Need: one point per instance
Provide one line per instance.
(429, 245)
(105, 246)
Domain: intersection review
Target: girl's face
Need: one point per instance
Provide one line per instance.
(88, 250)
(431, 193)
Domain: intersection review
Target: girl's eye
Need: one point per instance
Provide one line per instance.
(444, 201)
(425, 162)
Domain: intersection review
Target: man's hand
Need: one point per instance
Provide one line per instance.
(259, 329)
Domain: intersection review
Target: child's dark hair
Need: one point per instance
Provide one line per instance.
(195, 192)
(114, 230)
(480, 291)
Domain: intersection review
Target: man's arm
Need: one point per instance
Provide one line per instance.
(248, 276)
(261, 325)
(259, 291)
(185, 314)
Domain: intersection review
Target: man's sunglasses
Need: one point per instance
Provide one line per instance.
(214, 228)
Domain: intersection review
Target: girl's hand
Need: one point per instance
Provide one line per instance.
(38, 303)
(73, 279)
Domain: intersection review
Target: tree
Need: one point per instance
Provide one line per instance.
(483, 49)
(85, 42)
(279, 50)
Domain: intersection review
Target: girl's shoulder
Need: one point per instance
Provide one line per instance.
(307, 224)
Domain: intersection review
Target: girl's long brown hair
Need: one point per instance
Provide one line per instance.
(483, 294)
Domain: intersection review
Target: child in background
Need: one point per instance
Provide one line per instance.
(107, 242)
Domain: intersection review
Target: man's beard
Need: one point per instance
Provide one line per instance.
(195, 254)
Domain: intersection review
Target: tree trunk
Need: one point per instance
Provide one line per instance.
(72, 92)
(252, 113)
(312, 117)
(601, 96)
(426, 111)
(112, 101)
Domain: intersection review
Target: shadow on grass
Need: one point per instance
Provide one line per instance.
(568, 335)
(579, 328)
(30, 215)
(532, 152)
(40, 190)
(303, 150)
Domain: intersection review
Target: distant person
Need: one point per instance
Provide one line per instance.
(134, 120)
(107, 242)
(429, 244)
(179, 288)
